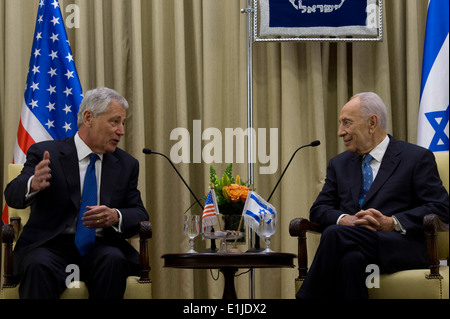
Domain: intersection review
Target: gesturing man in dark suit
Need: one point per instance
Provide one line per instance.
(52, 182)
(372, 204)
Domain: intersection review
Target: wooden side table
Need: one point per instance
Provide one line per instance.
(229, 263)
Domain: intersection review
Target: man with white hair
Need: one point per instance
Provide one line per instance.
(372, 205)
(84, 204)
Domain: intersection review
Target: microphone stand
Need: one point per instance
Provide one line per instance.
(149, 151)
(313, 144)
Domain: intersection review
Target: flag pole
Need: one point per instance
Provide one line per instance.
(251, 235)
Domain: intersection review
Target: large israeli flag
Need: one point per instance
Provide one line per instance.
(433, 131)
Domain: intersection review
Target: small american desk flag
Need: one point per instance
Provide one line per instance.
(53, 92)
(209, 217)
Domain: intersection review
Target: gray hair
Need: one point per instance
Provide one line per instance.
(371, 103)
(98, 100)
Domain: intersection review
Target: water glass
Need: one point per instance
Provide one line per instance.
(191, 229)
(267, 228)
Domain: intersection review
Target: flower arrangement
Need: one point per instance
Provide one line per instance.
(231, 193)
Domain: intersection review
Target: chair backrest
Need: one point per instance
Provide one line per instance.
(442, 161)
(13, 171)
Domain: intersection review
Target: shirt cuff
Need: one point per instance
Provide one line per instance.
(118, 227)
(29, 195)
(340, 217)
(402, 230)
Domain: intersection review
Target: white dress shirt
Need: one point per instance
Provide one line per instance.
(83, 152)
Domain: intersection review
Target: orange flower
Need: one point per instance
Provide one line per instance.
(236, 192)
(244, 193)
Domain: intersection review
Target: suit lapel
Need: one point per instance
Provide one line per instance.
(389, 164)
(69, 163)
(355, 179)
(110, 172)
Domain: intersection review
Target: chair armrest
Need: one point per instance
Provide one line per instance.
(8, 240)
(145, 233)
(15, 222)
(432, 225)
(299, 226)
(145, 230)
(8, 234)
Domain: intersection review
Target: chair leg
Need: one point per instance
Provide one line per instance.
(432, 225)
(8, 239)
(145, 232)
(302, 256)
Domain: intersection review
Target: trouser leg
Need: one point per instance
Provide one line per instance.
(107, 270)
(351, 276)
(43, 274)
(340, 262)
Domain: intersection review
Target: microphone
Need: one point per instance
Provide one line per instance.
(313, 144)
(213, 247)
(149, 151)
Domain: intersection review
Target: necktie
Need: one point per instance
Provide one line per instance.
(367, 178)
(84, 237)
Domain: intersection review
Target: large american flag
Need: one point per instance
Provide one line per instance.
(53, 92)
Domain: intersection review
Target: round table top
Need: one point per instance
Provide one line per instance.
(229, 260)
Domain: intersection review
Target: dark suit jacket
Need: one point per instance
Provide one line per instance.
(55, 208)
(407, 185)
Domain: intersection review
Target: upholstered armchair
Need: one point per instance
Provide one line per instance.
(138, 287)
(431, 283)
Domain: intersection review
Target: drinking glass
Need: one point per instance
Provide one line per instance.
(267, 228)
(191, 229)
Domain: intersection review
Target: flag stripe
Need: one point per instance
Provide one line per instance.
(32, 125)
(262, 203)
(252, 215)
(433, 93)
(436, 32)
(5, 219)
(209, 212)
(24, 140)
(19, 156)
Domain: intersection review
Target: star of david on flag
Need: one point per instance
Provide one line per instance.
(433, 129)
(53, 92)
(255, 209)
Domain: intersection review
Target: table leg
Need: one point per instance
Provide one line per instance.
(229, 291)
